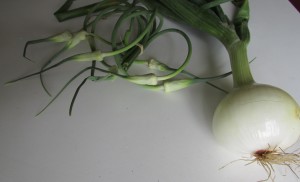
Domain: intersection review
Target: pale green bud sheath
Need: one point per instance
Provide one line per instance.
(156, 65)
(171, 86)
(90, 56)
(62, 37)
(153, 64)
(147, 79)
(77, 38)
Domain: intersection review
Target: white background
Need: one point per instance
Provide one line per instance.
(120, 132)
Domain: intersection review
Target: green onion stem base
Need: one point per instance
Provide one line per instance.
(239, 64)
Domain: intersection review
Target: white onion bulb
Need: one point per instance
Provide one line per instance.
(256, 118)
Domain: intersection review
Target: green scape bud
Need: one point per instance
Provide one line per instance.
(77, 38)
(156, 65)
(62, 37)
(148, 79)
(90, 56)
(171, 86)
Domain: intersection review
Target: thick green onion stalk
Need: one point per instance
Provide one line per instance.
(255, 119)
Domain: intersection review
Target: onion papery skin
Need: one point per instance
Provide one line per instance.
(257, 117)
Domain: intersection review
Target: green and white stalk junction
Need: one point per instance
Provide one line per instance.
(255, 119)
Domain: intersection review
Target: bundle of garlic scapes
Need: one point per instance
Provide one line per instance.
(142, 26)
(255, 119)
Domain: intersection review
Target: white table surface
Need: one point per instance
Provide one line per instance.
(120, 132)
